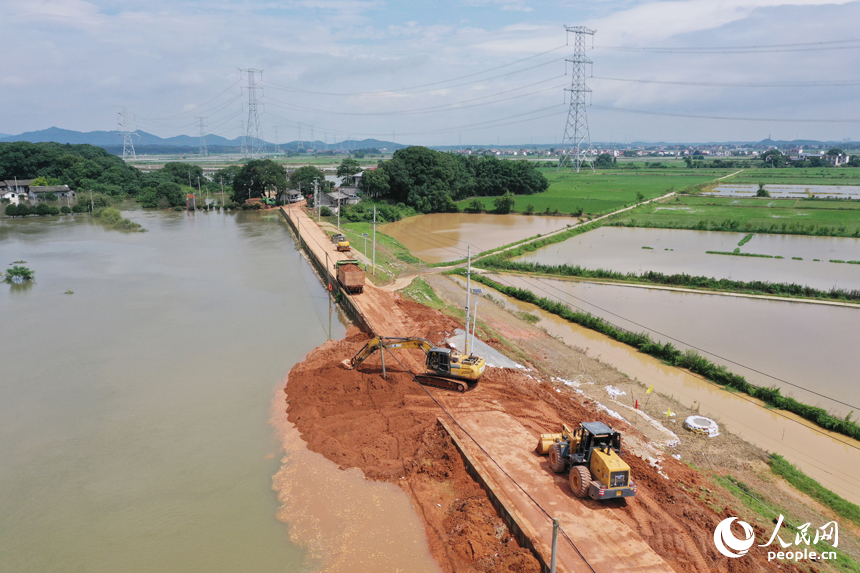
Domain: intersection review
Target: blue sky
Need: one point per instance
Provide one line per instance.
(435, 73)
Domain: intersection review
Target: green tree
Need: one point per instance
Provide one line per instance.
(835, 151)
(18, 274)
(347, 168)
(639, 197)
(762, 192)
(374, 183)
(11, 210)
(182, 173)
(42, 209)
(24, 210)
(303, 179)
(257, 177)
(773, 158)
(505, 203)
(604, 161)
(39, 182)
(475, 206)
(530, 209)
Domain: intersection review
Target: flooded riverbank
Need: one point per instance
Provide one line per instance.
(440, 237)
(799, 441)
(135, 419)
(673, 251)
(777, 190)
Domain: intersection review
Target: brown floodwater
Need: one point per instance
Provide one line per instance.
(440, 237)
(137, 385)
(672, 251)
(831, 459)
(345, 522)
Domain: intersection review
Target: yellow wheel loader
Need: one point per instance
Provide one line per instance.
(442, 368)
(591, 453)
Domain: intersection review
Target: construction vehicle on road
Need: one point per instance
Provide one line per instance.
(350, 276)
(442, 368)
(341, 242)
(592, 454)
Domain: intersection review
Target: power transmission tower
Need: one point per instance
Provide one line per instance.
(255, 146)
(202, 133)
(277, 141)
(576, 146)
(125, 119)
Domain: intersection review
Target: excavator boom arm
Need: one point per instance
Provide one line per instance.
(389, 342)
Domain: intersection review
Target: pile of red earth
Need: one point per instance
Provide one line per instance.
(388, 429)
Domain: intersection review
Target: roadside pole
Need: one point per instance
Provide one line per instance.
(468, 293)
(373, 266)
(554, 544)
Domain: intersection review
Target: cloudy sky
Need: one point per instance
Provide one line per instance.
(435, 73)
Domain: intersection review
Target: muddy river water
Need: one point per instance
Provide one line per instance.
(141, 419)
(440, 237)
(804, 344)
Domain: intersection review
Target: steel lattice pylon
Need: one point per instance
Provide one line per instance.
(126, 131)
(576, 145)
(204, 151)
(255, 146)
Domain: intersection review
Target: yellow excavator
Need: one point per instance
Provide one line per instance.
(591, 451)
(442, 368)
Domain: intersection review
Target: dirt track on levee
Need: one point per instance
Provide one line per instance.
(388, 429)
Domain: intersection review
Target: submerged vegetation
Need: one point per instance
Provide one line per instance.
(111, 218)
(690, 359)
(18, 275)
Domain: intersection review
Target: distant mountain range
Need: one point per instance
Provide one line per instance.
(147, 143)
(111, 140)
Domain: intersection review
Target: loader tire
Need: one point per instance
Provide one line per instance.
(556, 462)
(580, 478)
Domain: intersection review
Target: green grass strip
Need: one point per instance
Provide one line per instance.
(677, 280)
(813, 489)
(745, 240)
(690, 359)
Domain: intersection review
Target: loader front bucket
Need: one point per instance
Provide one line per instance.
(545, 441)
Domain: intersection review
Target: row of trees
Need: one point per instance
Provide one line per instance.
(432, 181)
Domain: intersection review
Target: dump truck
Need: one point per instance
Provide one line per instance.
(591, 453)
(442, 368)
(341, 242)
(350, 276)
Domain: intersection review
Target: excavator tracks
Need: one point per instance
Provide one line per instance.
(440, 382)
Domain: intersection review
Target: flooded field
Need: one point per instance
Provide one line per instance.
(680, 251)
(805, 349)
(440, 237)
(795, 191)
(801, 442)
(136, 423)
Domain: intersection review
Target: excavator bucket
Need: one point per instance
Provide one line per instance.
(545, 442)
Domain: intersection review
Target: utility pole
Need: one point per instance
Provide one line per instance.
(316, 198)
(299, 142)
(468, 292)
(576, 145)
(373, 271)
(222, 190)
(201, 129)
(125, 119)
(256, 146)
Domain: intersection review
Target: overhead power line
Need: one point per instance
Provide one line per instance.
(725, 118)
(393, 91)
(763, 48)
(824, 83)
